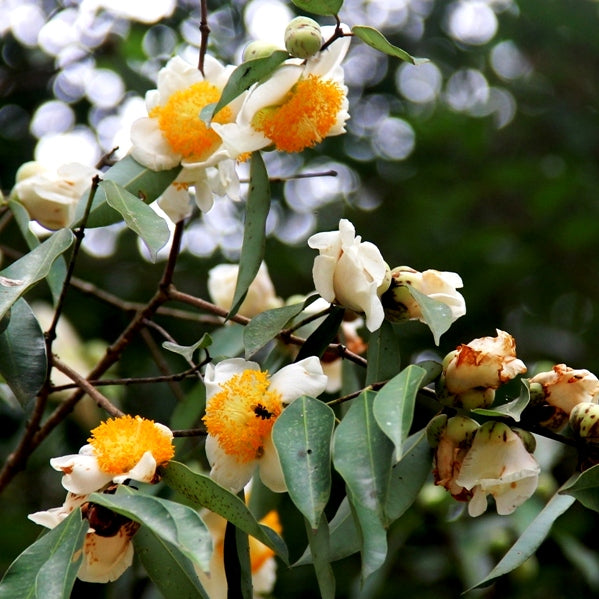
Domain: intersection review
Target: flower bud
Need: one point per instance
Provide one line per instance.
(435, 429)
(468, 400)
(530, 443)
(303, 38)
(584, 421)
(258, 49)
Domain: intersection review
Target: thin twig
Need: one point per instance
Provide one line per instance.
(204, 33)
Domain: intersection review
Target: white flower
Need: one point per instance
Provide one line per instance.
(242, 405)
(484, 363)
(173, 134)
(119, 449)
(437, 285)
(498, 464)
(350, 272)
(261, 294)
(135, 10)
(51, 197)
(296, 107)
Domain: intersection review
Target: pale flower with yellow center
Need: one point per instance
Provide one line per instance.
(242, 405)
(129, 447)
(262, 558)
(296, 107)
(173, 134)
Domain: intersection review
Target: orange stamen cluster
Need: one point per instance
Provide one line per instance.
(242, 414)
(119, 443)
(306, 116)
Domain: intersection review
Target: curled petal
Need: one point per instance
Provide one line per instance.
(82, 474)
(301, 378)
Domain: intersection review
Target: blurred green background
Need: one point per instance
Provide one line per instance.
(498, 183)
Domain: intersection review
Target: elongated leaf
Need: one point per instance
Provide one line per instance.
(394, 405)
(47, 568)
(436, 314)
(170, 570)
(23, 274)
(23, 362)
(302, 436)
(177, 524)
(254, 232)
(325, 333)
(266, 326)
(245, 75)
(58, 271)
(585, 488)
(383, 354)
(143, 183)
(320, 7)
(204, 492)
(139, 217)
(187, 351)
(362, 454)
(530, 540)
(433, 370)
(408, 476)
(375, 39)
(513, 409)
(319, 548)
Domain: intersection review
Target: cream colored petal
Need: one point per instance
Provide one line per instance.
(239, 138)
(220, 373)
(324, 64)
(323, 272)
(301, 378)
(272, 92)
(150, 148)
(82, 474)
(271, 473)
(143, 471)
(204, 197)
(225, 469)
(106, 558)
(176, 203)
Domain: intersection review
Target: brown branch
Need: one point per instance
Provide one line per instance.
(204, 33)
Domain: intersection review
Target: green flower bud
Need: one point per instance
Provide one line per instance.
(258, 49)
(461, 430)
(530, 443)
(435, 429)
(468, 400)
(302, 37)
(584, 421)
(397, 300)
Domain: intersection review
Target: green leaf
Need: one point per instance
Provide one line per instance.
(436, 314)
(204, 492)
(254, 233)
(58, 272)
(394, 405)
(178, 524)
(139, 217)
(383, 354)
(532, 537)
(362, 454)
(408, 476)
(187, 351)
(23, 274)
(170, 570)
(433, 370)
(48, 568)
(375, 39)
(137, 179)
(266, 326)
(318, 540)
(513, 409)
(302, 436)
(325, 333)
(23, 362)
(244, 76)
(585, 488)
(320, 7)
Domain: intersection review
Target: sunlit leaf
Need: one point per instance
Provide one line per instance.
(168, 568)
(177, 524)
(408, 476)
(325, 333)
(374, 38)
(204, 492)
(254, 232)
(394, 405)
(139, 217)
(187, 351)
(23, 362)
(513, 409)
(267, 325)
(244, 76)
(24, 273)
(143, 183)
(383, 354)
(318, 539)
(320, 7)
(48, 568)
(532, 537)
(436, 314)
(302, 436)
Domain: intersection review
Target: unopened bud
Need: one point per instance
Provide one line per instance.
(303, 37)
(468, 400)
(397, 300)
(435, 429)
(530, 443)
(258, 49)
(461, 430)
(584, 421)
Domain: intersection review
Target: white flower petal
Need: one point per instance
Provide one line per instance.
(82, 474)
(271, 472)
(226, 470)
(143, 471)
(301, 378)
(150, 148)
(220, 373)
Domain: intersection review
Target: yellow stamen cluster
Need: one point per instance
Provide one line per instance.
(180, 123)
(119, 443)
(242, 414)
(306, 116)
